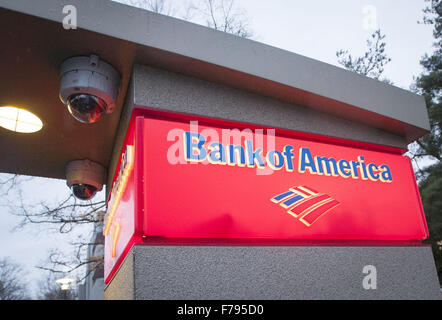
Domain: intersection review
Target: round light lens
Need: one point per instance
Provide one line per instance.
(19, 120)
(86, 108)
(83, 191)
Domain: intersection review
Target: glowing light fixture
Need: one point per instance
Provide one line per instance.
(64, 283)
(19, 120)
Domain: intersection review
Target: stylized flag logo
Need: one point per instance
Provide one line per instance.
(305, 204)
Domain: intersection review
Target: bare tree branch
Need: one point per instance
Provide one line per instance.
(12, 286)
(63, 216)
(222, 15)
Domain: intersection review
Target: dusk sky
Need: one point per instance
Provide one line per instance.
(316, 29)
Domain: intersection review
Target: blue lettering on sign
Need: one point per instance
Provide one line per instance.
(238, 155)
(190, 146)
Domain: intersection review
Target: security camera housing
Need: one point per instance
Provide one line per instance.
(85, 173)
(92, 77)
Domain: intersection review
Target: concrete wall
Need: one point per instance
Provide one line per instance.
(123, 286)
(159, 89)
(274, 272)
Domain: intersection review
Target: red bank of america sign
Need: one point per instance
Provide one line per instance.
(181, 179)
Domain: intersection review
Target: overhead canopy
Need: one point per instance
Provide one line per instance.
(34, 43)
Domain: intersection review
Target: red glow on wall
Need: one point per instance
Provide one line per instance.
(285, 188)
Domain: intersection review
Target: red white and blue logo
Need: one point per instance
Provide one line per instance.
(305, 204)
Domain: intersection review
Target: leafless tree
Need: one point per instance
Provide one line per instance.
(63, 217)
(66, 216)
(222, 15)
(225, 16)
(12, 286)
(10, 182)
(158, 6)
(62, 263)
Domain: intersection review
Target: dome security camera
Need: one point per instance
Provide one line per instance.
(85, 178)
(88, 87)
